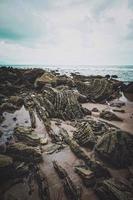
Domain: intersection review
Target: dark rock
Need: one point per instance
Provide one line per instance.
(46, 78)
(8, 107)
(114, 76)
(118, 104)
(116, 148)
(20, 151)
(129, 88)
(108, 115)
(113, 190)
(95, 109)
(87, 175)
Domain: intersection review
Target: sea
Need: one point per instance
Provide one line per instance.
(124, 72)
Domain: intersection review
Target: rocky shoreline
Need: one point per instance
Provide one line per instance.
(64, 137)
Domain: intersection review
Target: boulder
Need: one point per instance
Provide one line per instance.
(114, 190)
(116, 148)
(111, 116)
(20, 151)
(95, 109)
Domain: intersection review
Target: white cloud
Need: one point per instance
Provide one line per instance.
(75, 32)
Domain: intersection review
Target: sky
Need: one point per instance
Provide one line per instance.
(66, 32)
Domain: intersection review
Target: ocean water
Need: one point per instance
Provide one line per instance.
(124, 72)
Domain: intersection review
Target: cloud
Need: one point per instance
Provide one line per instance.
(66, 31)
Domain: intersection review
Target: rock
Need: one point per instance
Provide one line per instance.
(108, 115)
(107, 76)
(117, 110)
(61, 104)
(6, 167)
(8, 107)
(114, 76)
(85, 136)
(95, 109)
(116, 148)
(44, 141)
(16, 100)
(97, 89)
(46, 78)
(129, 88)
(60, 170)
(118, 104)
(113, 190)
(1, 133)
(64, 80)
(31, 75)
(32, 118)
(22, 152)
(87, 175)
(72, 191)
(27, 135)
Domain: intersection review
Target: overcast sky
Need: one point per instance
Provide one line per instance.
(66, 32)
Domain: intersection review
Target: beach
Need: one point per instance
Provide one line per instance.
(65, 136)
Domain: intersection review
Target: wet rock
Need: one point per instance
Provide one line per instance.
(116, 148)
(27, 135)
(8, 107)
(95, 109)
(72, 191)
(85, 136)
(108, 115)
(113, 190)
(16, 100)
(20, 151)
(87, 175)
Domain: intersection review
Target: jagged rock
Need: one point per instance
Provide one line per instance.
(108, 115)
(65, 104)
(64, 80)
(113, 190)
(85, 136)
(97, 89)
(46, 78)
(116, 148)
(8, 107)
(72, 191)
(20, 151)
(16, 100)
(114, 76)
(55, 148)
(87, 175)
(27, 135)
